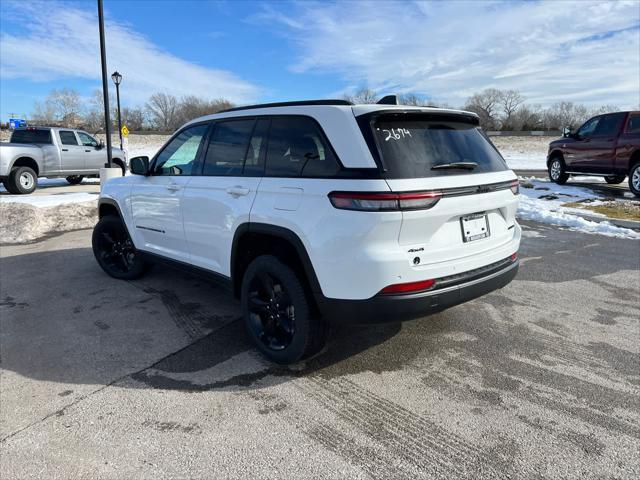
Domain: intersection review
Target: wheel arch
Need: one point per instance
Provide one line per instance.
(108, 206)
(25, 161)
(633, 159)
(120, 162)
(554, 154)
(254, 239)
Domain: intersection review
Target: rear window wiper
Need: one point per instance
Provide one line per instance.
(452, 165)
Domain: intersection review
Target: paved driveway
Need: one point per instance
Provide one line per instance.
(110, 379)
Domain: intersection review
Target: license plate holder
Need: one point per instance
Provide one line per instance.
(474, 227)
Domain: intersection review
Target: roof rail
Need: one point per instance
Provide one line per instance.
(289, 104)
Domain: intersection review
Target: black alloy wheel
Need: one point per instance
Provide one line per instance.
(277, 312)
(115, 251)
(271, 311)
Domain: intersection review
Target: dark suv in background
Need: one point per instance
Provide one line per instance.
(605, 145)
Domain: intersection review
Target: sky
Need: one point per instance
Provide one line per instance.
(259, 51)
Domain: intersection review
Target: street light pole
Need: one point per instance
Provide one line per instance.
(105, 83)
(117, 78)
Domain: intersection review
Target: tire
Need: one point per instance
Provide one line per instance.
(557, 171)
(74, 179)
(634, 179)
(614, 179)
(277, 313)
(115, 251)
(22, 181)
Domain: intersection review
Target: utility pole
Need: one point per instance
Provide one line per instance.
(105, 83)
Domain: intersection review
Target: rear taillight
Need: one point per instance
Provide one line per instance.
(412, 287)
(515, 187)
(384, 202)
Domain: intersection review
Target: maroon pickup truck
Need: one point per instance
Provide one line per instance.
(606, 145)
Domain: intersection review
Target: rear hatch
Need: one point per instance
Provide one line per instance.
(445, 154)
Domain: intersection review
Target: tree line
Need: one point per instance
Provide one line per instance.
(497, 110)
(162, 112)
(505, 110)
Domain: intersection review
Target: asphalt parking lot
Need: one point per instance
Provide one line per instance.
(110, 379)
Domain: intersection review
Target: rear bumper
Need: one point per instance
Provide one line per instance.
(398, 308)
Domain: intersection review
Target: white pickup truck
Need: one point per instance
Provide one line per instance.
(50, 152)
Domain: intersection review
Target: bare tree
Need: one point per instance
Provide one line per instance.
(486, 104)
(43, 112)
(364, 95)
(162, 109)
(133, 118)
(527, 117)
(94, 116)
(510, 100)
(67, 104)
(411, 99)
(191, 107)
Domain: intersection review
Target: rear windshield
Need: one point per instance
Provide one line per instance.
(415, 148)
(31, 136)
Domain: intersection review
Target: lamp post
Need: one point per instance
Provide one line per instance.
(117, 78)
(105, 83)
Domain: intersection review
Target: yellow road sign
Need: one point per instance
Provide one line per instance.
(125, 131)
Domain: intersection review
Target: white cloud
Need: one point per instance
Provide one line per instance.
(62, 42)
(585, 51)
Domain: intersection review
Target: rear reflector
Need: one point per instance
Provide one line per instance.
(515, 187)
(412, 287)
(514, 257)
(384, 202)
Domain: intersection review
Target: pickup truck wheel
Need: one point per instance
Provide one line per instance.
(277, 313)
(74, 179)
(557, 172)
(22, 180)
(115, 251)
(614, 179)
(634, 179)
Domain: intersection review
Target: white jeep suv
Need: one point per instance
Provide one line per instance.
(320, 211)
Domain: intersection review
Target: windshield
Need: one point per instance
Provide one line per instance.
(415, 148)
(31, 136)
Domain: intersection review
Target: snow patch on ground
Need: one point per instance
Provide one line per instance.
(524, 153)
(50, 200)
(542, 202)
(25, 223)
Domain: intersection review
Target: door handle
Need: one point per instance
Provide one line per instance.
(87, 151)
(65, 149)
(174, 187)
(238, 191)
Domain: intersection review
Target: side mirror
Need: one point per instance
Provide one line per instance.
(100, 145)
(567, 132)
(139, 165)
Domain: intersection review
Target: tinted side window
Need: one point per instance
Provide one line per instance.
(254, 163)
(31, 136)
(179, 156)
(297, 147)
(68, 138)
(589, 127)
(610, 124)
(634, 124)
(228, 147)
